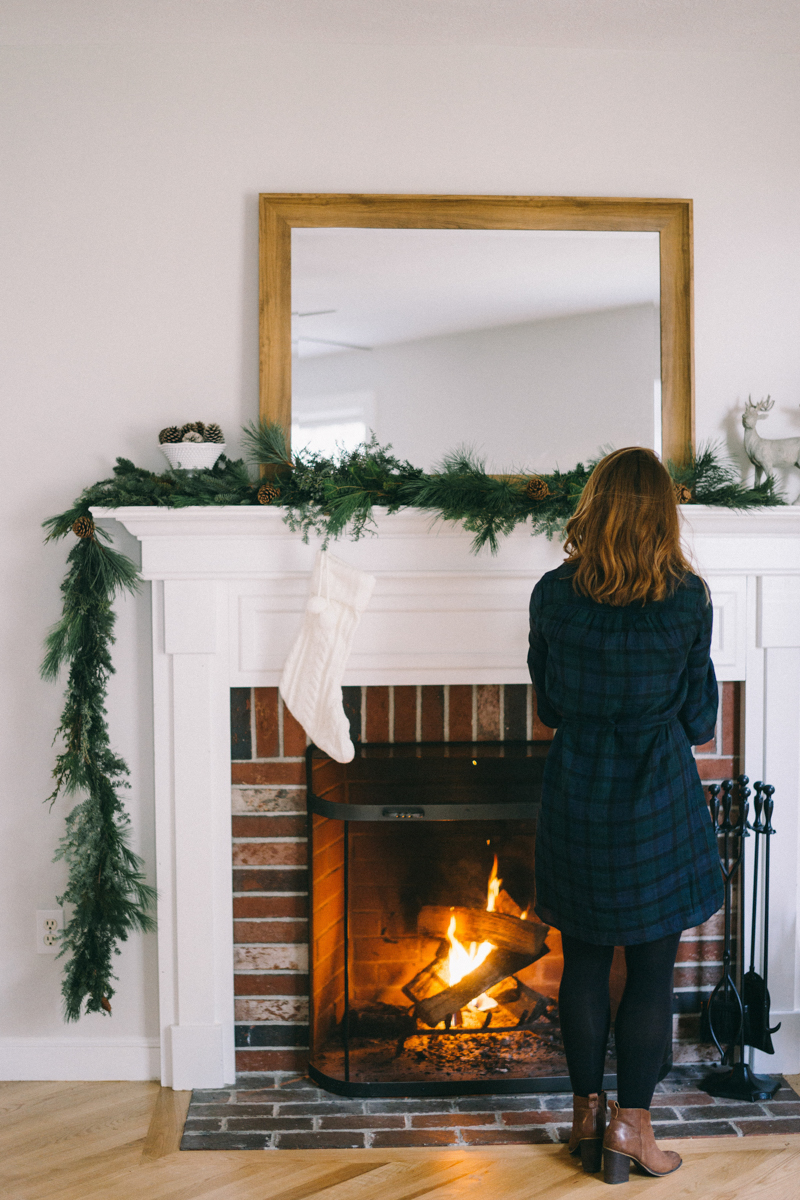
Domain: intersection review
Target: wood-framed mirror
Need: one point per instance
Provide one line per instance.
(391, 316)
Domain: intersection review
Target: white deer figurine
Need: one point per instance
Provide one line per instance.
(767, 453)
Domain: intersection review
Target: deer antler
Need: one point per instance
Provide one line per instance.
(765, 405)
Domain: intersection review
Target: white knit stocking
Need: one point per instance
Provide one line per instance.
(311, 684)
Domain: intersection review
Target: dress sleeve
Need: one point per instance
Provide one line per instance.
(698, 714)
(537, 663)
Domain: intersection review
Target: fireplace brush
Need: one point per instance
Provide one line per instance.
(724, 1017)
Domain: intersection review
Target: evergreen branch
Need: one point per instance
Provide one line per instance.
(109, 895)
(267, 444)
(711, 480)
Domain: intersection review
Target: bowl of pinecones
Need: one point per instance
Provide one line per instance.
(193, 446)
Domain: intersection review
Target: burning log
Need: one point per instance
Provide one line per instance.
(522, 1002)
(477, 925)
(429, 979)
(501, 943)
(380, 1021)
(495, 968)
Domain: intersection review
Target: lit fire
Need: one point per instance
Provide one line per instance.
(461, 960)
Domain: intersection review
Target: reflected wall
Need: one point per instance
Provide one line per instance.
(526, 396)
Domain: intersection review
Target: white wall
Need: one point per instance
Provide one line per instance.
(528, 396)
(129, 182)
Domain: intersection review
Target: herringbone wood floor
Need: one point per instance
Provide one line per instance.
(118, 1141)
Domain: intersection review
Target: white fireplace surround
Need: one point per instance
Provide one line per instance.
(229, 587)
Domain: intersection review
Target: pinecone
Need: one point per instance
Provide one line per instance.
(83, 527)
(683, 494)
(170, 434)
(267, 493)
(191, 427)
(191, 436)
(214, 433)
(536, 488)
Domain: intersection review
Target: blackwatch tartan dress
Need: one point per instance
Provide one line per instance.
(625, 847)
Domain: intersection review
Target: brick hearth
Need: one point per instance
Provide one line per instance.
(270, 885)
(265, 1112)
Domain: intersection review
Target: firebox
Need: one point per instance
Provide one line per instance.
(430, 972)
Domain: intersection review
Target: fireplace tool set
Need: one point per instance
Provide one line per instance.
(738, 1016)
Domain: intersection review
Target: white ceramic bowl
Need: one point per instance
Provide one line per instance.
(190, 456)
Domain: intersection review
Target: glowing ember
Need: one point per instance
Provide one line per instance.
(461, 960)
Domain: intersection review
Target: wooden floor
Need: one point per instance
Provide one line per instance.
(118, 1141)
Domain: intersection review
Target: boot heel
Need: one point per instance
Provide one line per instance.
(616, 1167)
(591, 1154)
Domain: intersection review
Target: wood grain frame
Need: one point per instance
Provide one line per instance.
(671, 219)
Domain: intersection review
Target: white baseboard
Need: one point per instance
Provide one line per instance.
(26, 1058)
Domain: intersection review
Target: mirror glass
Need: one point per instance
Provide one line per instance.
(535, 348)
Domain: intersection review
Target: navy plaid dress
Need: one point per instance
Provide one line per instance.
(625, 849)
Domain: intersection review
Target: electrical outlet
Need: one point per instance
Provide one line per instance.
(49, 926)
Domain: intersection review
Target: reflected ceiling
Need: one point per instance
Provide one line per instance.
(398, 285)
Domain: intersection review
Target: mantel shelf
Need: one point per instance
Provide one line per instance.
(255, 521)
(242, 542)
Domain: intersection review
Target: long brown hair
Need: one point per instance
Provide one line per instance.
(624, 537)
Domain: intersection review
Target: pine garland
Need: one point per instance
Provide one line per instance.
(328, 497)
(105, 887)
(331, 496)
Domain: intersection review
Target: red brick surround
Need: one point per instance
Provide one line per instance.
(269, 842)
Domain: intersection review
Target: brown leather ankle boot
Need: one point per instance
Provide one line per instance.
(588, 1128)
(630, 1136)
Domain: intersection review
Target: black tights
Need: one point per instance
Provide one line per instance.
(643, 1025)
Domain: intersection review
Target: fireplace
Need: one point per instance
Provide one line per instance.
(275, 1005)
(428, 974)
(229, 586)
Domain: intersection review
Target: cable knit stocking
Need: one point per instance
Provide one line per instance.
(311, 684)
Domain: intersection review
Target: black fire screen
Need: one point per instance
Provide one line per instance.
(430, 973)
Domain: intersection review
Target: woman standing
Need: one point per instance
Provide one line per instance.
(626, 853)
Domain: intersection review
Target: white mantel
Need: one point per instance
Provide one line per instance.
(229, 589)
